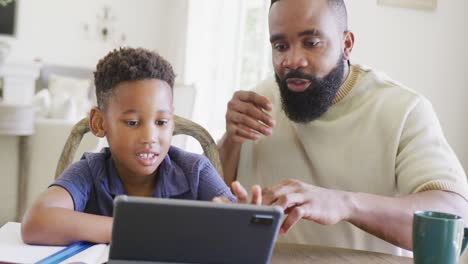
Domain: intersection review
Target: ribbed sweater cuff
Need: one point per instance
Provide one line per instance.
(455, 187)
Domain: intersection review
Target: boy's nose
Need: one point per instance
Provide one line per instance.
(149, 135)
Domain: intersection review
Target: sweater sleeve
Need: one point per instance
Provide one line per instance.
(425, 160)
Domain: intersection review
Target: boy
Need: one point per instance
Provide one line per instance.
(135, 113)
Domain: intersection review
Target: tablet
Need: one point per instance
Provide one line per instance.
(160, 230)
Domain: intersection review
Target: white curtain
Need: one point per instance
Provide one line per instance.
(227, 50)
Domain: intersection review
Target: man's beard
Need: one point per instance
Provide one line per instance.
(306, 106)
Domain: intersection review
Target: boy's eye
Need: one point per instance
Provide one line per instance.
(132, 123)
(161, 122)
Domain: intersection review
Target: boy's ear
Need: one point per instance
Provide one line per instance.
(96, 122)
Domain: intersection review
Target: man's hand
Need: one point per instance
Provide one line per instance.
(246, 118)
(242, 195)
(301, 200)
(389, 218)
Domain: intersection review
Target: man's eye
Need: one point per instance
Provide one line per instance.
(311, 43)
(280, 46)
(132, 123)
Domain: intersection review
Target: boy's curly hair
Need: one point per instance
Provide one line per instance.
(129, 64)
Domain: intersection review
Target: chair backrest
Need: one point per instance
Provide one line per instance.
(182, 127)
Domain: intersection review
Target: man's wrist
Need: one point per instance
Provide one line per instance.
(351, 205)
(227, 144)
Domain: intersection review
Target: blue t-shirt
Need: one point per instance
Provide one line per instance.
(93, 182)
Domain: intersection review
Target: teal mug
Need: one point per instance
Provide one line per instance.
(438, 237)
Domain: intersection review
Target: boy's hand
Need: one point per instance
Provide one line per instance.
(242, 195)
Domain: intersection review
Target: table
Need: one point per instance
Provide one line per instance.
(298, 254)
(282, 254)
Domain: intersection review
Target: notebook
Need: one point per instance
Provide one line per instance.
(156, 230)
(14, 250)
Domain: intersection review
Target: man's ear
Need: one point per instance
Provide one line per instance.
(96, 122)
(348, 44)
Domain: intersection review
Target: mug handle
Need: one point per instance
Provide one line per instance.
(465, 240)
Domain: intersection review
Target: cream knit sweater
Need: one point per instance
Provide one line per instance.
(378, 137)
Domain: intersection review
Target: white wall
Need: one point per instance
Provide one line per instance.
(171, 27)
(425, 50)
(53, 30)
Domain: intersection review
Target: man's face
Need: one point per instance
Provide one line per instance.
(307, 51)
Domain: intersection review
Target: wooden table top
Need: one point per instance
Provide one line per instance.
(298, 254)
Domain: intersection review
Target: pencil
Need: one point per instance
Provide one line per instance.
(65, 253)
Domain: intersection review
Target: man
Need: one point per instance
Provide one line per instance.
(336, 144)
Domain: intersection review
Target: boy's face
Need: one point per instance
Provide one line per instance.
(138, 123)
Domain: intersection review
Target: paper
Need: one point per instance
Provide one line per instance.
(13, 249)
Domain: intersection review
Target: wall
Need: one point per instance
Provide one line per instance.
(425, 50)
(54, 30)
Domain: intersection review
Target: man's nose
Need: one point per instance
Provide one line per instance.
(295, 59)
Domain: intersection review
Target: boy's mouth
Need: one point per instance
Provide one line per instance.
(147, 158)
(146, 155)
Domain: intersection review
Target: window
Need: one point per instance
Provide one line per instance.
(255, 55)
(227, 50)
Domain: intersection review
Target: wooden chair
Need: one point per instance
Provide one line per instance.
(182, 126)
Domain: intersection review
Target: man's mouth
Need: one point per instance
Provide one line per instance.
(297, 84)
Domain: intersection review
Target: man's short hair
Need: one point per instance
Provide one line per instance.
(129, 64)
(339, 7)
